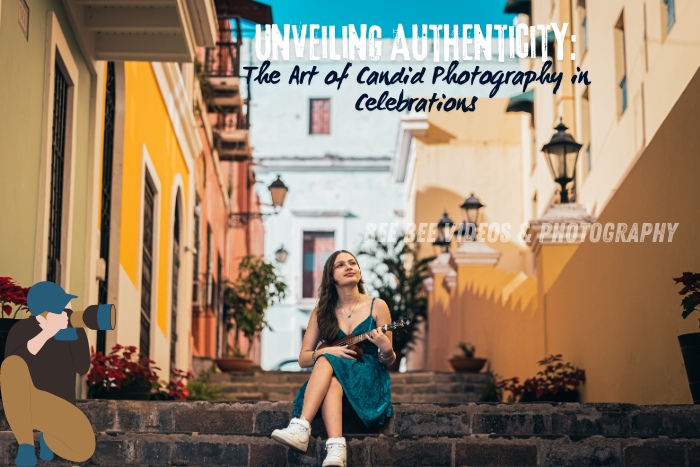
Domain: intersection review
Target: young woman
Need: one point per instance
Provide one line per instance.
(343, 308)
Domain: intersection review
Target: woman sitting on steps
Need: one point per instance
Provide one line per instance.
(339, 372)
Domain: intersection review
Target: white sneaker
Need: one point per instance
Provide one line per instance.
(336, 452)
(296, 435)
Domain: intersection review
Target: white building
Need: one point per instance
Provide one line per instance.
(336, 161)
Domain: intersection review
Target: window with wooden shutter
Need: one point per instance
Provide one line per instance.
(318, 246)
(320, 117)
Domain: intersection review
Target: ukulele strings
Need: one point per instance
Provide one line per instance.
(363, 336)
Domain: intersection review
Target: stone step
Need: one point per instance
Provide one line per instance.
(271, 377)
(433, 387)
(436, 398)
(528, 419)
(247, 396)
(233, 387)
(237, 433)
(422, 377)
(236, 450)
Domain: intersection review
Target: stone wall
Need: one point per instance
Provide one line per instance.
(542, 434)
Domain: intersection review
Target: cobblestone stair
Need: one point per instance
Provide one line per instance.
(237, 434)
(431, 387)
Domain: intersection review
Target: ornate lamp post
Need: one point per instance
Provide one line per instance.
(281, 254)
(443, 236)
(472, 207)
(278, 192)
(561, 153)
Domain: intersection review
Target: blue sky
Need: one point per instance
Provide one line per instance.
(387, 14)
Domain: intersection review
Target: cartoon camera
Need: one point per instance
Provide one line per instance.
(95, 317)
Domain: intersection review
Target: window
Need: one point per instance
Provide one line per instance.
(585, 132)
(174, 279)
(318, 246)
(147, 266)
(58, 158)
(196, 285)
(210, 258)
(669, 14)
(320, 117)
(106, 204)
(621, 65)
(583, 18)
(219, 275)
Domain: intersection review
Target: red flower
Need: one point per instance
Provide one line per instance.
(125, 367)
(556, 376)
(12, 297)
(122, 367)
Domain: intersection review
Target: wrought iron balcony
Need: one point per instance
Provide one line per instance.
(224, 61)
(231, 136)
(229, 112)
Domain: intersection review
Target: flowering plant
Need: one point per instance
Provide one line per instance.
(557, 378)
(123, 367)
(176, 389)
(691, 288)
(13, 299)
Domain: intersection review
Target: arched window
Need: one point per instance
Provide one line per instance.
(175, 280)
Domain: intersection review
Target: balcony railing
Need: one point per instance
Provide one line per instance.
(224, 61)
(226, 122)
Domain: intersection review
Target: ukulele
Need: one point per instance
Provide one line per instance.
(352, 341)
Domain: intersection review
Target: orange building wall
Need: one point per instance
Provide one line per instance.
(211, 179)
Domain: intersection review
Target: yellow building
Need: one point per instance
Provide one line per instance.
(81, 140)
(610, 308)
(155, 145)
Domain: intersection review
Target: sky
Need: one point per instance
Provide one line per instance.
(387, 13)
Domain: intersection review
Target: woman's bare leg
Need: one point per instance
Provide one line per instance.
(332, 410)
(317, 388)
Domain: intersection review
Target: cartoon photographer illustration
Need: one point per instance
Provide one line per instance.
(43, 355)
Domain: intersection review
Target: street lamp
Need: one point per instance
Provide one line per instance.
(561, 153)
(281, 254)
(443, 237)
(471, 207)
(278, 192)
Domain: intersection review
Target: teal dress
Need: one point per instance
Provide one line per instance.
(365, 381)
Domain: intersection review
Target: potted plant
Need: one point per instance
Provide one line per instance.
(558, 382)
(13, 307)
(466, 363)
(123, 374)
(690, 343)
(255, 290)
(397, 278)
(234, 361)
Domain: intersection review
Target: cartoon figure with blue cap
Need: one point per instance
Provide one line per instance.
(43, 355)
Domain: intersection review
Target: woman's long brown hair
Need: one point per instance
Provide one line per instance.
(328, 299)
